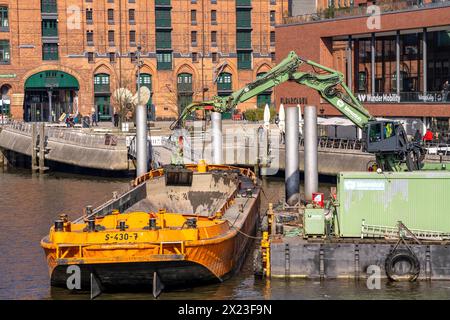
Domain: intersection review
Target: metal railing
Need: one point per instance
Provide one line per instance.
(437, 149)
(72, 136)
(385, 7)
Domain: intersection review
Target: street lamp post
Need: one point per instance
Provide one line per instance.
(50, 118)
(141, 124)
(3, 111)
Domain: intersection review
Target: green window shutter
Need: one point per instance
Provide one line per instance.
(244, 60)
(49, 28)
(163, 18)
(49, 6)
(163, 39)
(244, 40)
(263, 99)
(5, 57)
(162, 2)
(185, 99)
(50, 51)
(243, 18)
(244, 3)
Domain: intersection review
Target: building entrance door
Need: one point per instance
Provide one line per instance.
(48, 95)
(103, 108)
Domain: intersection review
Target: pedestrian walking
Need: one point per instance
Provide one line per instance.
(116, 120)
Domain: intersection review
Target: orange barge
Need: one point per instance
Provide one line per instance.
(176, 226)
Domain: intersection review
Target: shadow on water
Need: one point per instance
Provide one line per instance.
(29, 204)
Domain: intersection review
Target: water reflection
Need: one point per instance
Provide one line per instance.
(29, 204)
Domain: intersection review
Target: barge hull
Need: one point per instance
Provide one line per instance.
(295, 258)
(137, 276)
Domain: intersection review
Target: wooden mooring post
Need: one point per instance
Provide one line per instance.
(34, 148)
(3, 159)
(38, 159)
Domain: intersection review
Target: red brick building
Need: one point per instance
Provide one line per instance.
(396, 62)
(67, 56)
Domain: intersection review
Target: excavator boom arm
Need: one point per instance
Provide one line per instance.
(329, 83)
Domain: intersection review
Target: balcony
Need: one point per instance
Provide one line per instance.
(360, 11)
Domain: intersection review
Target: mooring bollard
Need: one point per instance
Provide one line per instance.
(216, 128)
(292, 174)
(311, 166)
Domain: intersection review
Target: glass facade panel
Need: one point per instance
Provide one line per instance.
(411, 77)
(438, 60)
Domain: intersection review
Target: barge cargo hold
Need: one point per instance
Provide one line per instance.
(181, 227)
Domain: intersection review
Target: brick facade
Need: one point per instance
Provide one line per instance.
(26, 47)
(319, 41)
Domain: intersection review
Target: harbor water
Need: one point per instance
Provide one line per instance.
(29, 204)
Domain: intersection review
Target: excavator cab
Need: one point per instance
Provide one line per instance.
(386, 136)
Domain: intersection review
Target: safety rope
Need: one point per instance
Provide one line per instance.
(243, 233)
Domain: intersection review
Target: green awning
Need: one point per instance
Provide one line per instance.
(51, 80)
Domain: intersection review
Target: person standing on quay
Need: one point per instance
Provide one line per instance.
(94, 118)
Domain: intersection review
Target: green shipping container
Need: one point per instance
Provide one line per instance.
(421, 200)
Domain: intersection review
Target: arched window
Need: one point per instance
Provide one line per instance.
(102, 97)
(185, 90)
(184, 82)
(265, 97)
(146, 81)
(5, 101)
(224, 84)
(101, 83)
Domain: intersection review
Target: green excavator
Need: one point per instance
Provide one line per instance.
(386, 139)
